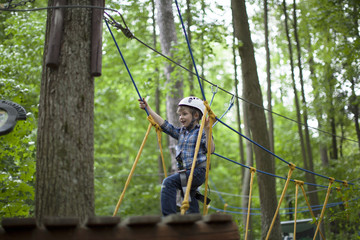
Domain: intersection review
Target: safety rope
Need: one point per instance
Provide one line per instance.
(292, 168)
(132, 170)
(331, 180)
(123, 59)
(296, 203)
(190, 51)
(252, 171)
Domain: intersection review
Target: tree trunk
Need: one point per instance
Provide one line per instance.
(257, 120)
(65, 151)
(247, 174)
(157, 90)
(174, 84)
(313, 196)
(268, 78)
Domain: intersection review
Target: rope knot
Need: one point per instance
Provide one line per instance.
(331, 180)
(345, 183)
(152, 121)
(252, 169)
(292, 166)
(210, 112)
(301, 183)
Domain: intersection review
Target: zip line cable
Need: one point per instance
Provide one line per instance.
(169, 59)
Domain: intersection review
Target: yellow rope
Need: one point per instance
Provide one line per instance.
(296, 202)
(292, 167)
(331, 180)
(308, 204)
(211, 122)
(253, 170)
(185, 204)
(132, 170)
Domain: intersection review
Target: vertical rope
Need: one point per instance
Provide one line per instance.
(132, 170)
(253, 170)
(296, 203)
(158, 133)
(209, 140)
(308, 204)
(191, 54)
(331, 180)
(292, 167)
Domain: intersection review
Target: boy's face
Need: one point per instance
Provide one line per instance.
(185, 116)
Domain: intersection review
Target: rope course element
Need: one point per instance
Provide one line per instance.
(228, 92)
(190, 51)
(185, 204)
(128, 34)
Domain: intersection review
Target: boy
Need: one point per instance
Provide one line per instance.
(190, 111)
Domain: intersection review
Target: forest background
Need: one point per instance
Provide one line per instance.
(329, 49)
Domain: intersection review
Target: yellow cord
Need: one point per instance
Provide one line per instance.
(208, 164)
(253, 170)
(292, 167)
(185, 204)
(132, 170)
(331, 180)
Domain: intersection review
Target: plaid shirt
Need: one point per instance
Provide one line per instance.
(185, 148)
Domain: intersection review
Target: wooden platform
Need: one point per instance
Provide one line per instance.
(184, 227)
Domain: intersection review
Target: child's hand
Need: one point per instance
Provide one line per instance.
(142, 103)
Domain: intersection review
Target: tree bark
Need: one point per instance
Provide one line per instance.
(268, 78)
(313, 196)
(257, 120)
(247, 174)
(65, 151)
(174, 83)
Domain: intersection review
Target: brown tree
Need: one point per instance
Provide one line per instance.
(257, 120)
(65, 151)
(174, 83)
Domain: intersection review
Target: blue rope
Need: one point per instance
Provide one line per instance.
(192, 57)
(127, 68)
(270, 174)
(302, 169)
(227, 110)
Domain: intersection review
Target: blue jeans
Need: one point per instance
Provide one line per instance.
(170, 186)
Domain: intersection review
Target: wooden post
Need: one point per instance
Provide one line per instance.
(57, 22)
(96, 38)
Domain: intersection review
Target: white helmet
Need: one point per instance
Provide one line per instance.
(193, 102)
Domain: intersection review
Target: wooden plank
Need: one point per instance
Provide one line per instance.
(55, 223)
(96, 38)
(174, 219)
(18, 224)
(141, 220)
(55, 35)
(217, 218)
(97, 222)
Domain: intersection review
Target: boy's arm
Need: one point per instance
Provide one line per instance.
(157, 118)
